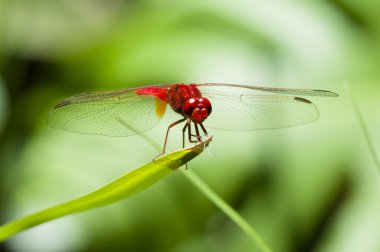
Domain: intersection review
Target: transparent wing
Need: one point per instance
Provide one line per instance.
(291, 91)
(232, 111)
(114, 113)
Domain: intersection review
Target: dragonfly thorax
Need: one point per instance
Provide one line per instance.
(178, 94)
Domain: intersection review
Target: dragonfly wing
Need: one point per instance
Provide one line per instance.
(250, 112)
(290, 91)
(114, 113)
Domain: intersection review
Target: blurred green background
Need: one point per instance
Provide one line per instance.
(307, 188)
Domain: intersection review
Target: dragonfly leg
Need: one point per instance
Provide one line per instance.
(191, 135)
(204, 129)
(167, 133)
(197, 135)
(187, 125)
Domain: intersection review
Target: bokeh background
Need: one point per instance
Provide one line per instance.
(308, 188)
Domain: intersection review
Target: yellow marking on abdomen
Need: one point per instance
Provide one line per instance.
(160, 107)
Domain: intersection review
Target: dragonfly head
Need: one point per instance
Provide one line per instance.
(197, 109)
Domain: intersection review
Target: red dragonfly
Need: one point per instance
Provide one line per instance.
(220, 106)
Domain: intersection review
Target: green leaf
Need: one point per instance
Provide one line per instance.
(128, 184)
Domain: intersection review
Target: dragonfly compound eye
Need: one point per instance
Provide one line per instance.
(189, 106)
(206, 104)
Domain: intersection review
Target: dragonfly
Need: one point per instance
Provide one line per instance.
(213, 105)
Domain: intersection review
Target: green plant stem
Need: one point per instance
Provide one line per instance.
(227, 209)
(363, 126)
